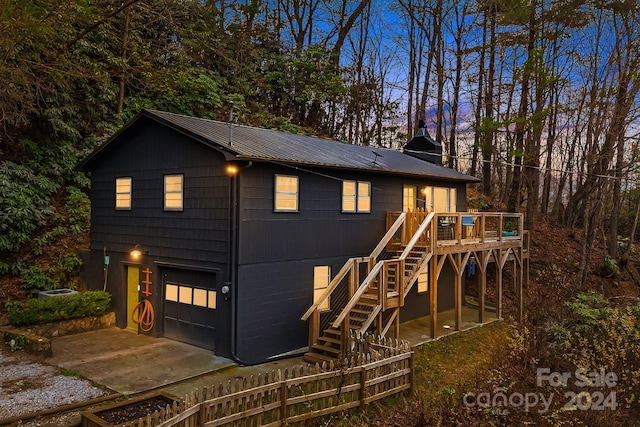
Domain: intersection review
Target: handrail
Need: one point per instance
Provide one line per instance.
(375, 270)
(356, 296)
(389, 235)
(416, 236)
(332, 285)
(349, 264)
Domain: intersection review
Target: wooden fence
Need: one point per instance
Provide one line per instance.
(376, 368)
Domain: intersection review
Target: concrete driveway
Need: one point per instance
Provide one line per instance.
(130, 363)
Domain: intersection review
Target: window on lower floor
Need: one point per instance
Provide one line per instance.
(286, 193)
(321, 280)
(423, 280)
(123, 193)
(173, 192)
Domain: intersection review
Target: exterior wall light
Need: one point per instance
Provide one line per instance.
(137, 252)
(232, 169)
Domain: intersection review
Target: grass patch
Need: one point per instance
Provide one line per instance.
(445, 370)
(448, 368)
(70, 373)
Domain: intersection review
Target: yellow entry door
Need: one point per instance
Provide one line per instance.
(133, 280)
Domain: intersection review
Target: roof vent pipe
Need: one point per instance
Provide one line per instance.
(231, 125)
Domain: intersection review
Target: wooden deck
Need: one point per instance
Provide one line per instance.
(415, 241)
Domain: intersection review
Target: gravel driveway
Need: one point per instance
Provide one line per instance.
(28, 386)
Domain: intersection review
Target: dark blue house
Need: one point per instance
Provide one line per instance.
(232, 232)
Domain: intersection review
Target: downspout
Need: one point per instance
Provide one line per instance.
(233, 269)
(233, 260)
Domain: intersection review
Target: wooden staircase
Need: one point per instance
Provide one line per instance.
(382, 290)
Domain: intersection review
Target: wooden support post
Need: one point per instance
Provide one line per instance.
(482, 286)
(314, 327)
(396, 325)
(497, 256)
(457, 267)
(458, 304)
(433, 294)
(520, 288)
(354, 279)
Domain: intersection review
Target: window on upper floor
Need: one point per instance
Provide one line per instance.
(356, 196)
(286, 193)
(123, 193)
(409, 202)
(440, 199)
(173, 192)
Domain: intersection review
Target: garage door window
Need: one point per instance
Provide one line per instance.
(190, 295)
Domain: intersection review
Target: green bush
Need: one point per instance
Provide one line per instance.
(79, 211)
(61, 273)
(598, 335)
(608, 267)
(36, 279)
(24, 204)
(45, 310)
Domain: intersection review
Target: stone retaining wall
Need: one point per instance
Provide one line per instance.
(38, 337)
(73, 326)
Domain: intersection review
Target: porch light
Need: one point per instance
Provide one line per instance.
(232, 169)
(136, 253)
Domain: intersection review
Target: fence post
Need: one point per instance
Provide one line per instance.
(363, 388)
(412, 369)
(283, 397)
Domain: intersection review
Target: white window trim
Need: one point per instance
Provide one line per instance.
(276, 193)
(180, 192)
(358, 198)
(129, 193)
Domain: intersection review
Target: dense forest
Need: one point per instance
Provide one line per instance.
(537, 98)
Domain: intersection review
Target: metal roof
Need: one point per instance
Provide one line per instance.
(251, 143)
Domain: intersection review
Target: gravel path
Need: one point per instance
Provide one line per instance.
(27, 386)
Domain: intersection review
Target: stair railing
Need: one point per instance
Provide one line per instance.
(350, 267)
(425, 236)
(379, 275)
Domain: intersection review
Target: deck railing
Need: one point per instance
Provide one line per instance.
(429, 232)
(463, 227)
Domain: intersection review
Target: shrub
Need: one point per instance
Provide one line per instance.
(36, 279)
(63, 269)
(599, 335)
(24, 204)
(608, 267)
(45, 310)
(79, 211)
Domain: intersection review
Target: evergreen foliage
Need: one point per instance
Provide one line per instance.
(45, 310)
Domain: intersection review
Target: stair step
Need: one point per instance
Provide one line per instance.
(329, 340)
(311, 357)
(326, 349)
(332, 331)
(359, 311)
